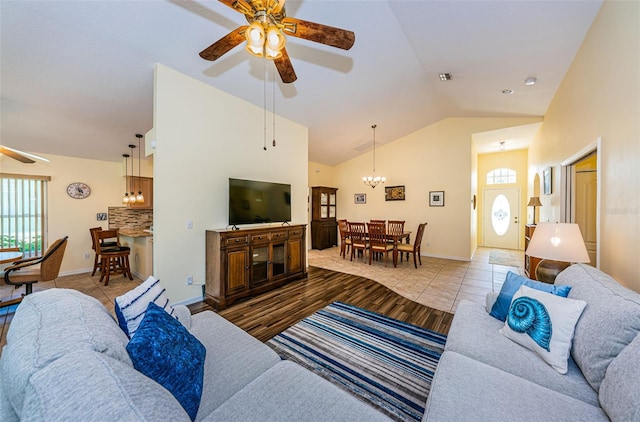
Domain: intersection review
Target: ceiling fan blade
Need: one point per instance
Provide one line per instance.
(239, 6)
(224, 44)
(285, 68)
(323, 34)
(15, 155)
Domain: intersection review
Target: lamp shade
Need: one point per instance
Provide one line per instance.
(534, 201)
(558, 242)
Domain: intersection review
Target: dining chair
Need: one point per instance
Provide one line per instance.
(358, 235)
(113, 259)
(27, 271)
(378, 241)
(377, 221)
(395, 228)
(415, 248)
(345, 240)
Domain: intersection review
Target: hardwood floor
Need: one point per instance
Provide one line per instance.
(271, 313)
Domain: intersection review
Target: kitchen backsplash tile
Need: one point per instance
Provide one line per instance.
(130, 218)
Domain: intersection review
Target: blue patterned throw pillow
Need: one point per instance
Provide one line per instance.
(530, 316)
(511, 285)
(131, 306)
(543, 323)
(166, 352)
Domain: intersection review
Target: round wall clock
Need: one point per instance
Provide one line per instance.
(78, 190)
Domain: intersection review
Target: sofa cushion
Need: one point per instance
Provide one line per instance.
(166, 352)
(131, 306)
(288, 392)
(49, 325)
(234, 359)
(476, 335)
(620, 389)
(543, 323)
(464, 389)
(511, 285)
(610, 321)
(89, 386)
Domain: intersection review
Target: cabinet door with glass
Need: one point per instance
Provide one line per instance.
(323, 203)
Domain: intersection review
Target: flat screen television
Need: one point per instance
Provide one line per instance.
(254, 202)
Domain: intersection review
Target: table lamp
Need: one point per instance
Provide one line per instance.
(534, 202)
(559, 245)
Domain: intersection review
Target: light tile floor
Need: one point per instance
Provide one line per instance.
(438, 283)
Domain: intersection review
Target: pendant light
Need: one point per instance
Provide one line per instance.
(125, 198)
(139, 196)
(132, 195)
(373, 180)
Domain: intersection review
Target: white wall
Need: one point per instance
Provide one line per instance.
(439, 157)
(73, 217)
(600, 97)
(204, 136)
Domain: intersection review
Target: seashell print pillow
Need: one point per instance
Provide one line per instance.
(544, 323)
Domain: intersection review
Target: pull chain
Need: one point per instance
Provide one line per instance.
(264, 103)
(274, 106)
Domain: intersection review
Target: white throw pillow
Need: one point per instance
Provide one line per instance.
(131, 306)
(544, 323)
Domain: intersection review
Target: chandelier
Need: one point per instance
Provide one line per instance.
(374, 180)
(264, 38)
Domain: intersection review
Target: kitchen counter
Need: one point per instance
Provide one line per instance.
(135, 233)
(141, 257)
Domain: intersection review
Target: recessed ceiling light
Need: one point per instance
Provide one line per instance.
(445, 76)
(530, 81)
(507, 91)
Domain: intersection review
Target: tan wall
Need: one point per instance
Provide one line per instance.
(600, 98)
(73, 217)
(439, 157)
(516, 160)
(203, 137)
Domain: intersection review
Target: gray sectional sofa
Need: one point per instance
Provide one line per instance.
(65, 360)
(484, 376)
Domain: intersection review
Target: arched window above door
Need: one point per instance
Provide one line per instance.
(501, 176)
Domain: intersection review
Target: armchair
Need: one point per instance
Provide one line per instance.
(32, 270)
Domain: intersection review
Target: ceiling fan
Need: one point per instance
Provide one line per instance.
(23, 157)
(265, 34)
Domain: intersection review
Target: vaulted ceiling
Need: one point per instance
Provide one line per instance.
(77, 76)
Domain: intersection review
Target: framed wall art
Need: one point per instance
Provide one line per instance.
(394, 193)
(546, 181)
(436, 198)
(360, 198)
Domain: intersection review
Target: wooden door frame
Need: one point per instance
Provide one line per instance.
(567, 188)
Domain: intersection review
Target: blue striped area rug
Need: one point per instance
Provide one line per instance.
(382, 361)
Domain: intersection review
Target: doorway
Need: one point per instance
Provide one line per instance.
(501, 218)
(581, 200)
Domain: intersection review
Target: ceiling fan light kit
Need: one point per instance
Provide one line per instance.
(265, 34)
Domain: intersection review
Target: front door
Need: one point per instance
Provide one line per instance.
(501, 218)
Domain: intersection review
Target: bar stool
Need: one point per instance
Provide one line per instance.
(113, 259)
(96, 260)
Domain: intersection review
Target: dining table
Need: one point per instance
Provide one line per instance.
(7, 256)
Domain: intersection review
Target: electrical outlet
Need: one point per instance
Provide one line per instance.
(189, 280)
(189, 224)
(87, 256)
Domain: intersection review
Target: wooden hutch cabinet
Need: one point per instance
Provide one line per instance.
(242, 263)
(530, 262)
(324, 228)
